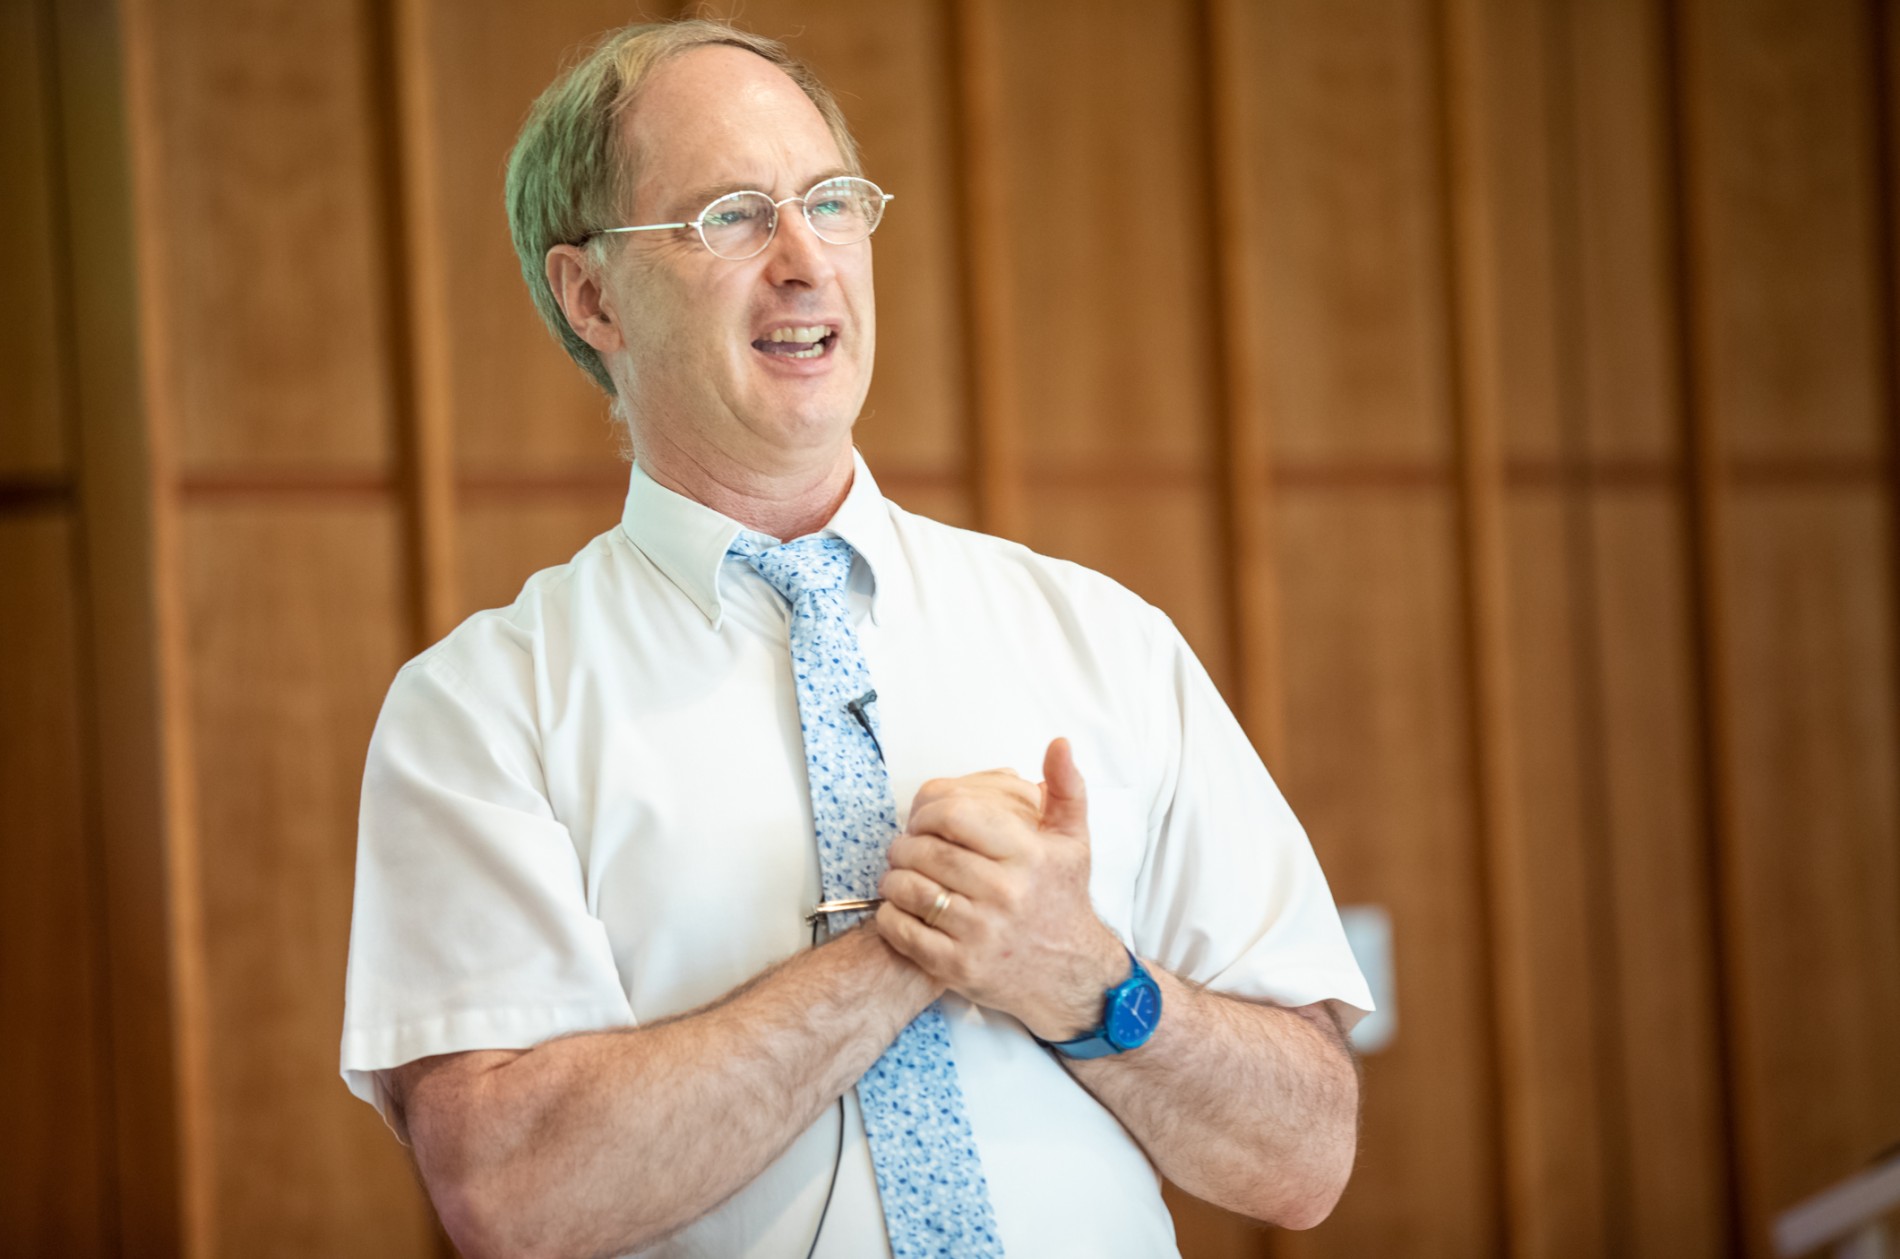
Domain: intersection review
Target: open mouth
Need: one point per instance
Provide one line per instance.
(811, 341)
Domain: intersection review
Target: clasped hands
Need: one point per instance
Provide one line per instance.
(1015, 930)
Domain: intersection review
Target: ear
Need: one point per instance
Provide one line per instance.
(576, 284)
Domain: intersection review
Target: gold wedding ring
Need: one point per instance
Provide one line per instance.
(936, 909)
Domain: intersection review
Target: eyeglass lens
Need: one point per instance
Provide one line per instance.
(843, 211)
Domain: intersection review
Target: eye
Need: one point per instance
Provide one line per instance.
(738, 212)
(729, 216)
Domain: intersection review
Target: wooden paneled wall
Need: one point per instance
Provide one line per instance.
(1501, 396)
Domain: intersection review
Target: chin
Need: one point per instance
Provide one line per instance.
(823, 432)
(813, 422)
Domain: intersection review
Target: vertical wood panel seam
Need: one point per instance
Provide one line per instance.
(188, 944)
(1887, 250)
(402, 88)
(985, 294)
(1236, 441)
(1244, 483)
(1482, 747)
(110, 1227)
(1702, 498)
(1570, 329)
(130, 25)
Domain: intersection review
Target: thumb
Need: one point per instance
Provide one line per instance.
(1065, 800)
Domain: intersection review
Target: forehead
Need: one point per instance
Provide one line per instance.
(722, 115)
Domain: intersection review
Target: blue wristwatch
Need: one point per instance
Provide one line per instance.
(1130, 1013)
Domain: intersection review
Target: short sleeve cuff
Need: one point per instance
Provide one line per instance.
(367, 1051)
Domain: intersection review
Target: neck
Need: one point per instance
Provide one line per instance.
(785, 502)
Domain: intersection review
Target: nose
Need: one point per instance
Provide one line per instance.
(796, 255)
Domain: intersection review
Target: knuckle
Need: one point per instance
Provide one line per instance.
(947, 858)
(960, 815)
(906, 886)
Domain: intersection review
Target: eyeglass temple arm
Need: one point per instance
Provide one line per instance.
(644, 227)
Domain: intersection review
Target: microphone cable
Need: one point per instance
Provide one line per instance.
(856, 708)
(837, 1158)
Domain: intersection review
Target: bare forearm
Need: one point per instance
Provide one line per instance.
(1250, 1107)
(601, 1143)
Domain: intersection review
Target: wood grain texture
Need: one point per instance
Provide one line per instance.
(989, 304)
(1242, 418)
(1784, 164)
(1505, 169)
(1789, 364)
(273, 249)
(137, 762)
(1158, 540)
(296, 627)
(1532, 174)
(1627, 356)
(1095, 379)
(1480, 296)
(1666, 1131)
(1380, 772)
(421, 323)
(928, 496)
(1354, 354)
(1341, 192)
(517, 401)
(504, 542)
(1710, 540)
(1111, 297)
(1669, 1118)
(1554, 920)
(1204, 1231)
(57, 1185)
(1816, 868)
(32, 388)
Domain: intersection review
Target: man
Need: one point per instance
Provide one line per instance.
(595, 823)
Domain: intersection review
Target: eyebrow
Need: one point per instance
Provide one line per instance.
(698, 199)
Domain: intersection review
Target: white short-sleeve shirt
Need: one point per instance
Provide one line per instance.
(589, 809)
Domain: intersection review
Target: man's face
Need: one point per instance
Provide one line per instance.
(708, 371)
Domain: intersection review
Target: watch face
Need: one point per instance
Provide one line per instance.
(1132, 1017)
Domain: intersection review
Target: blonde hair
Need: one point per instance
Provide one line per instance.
(567, 174)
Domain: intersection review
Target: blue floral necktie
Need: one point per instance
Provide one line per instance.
(929, 1178)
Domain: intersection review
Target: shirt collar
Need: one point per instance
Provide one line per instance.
(688, 540)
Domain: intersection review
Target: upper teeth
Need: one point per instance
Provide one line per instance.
(817, 333)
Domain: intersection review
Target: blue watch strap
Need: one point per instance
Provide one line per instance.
(1123, 999)
(1095, 1045)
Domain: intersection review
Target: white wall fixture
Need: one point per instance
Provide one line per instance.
(1369, 932)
